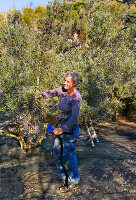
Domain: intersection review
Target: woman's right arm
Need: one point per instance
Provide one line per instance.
(51, 93)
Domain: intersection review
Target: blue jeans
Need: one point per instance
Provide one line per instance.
(65, 157)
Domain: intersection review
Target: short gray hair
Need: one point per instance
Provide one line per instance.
(75, 77)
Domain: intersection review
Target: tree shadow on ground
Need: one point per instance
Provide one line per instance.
(24, 175)
(128, 134)
(107, 171)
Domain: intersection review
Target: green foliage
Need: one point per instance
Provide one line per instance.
(40, 11)
(14, 16)
(36, 55)
(28, 15)
(2, 20)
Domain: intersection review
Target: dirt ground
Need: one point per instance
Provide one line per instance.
(107, 171)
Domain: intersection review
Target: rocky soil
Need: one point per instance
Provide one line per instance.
(108, 170)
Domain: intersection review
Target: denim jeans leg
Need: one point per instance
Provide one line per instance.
(70, 159)
(58, 158)
(66, 159)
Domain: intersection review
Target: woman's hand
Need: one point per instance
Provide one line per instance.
(57, 131)
(40, 94)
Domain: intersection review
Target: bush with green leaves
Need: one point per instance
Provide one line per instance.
(37, 55)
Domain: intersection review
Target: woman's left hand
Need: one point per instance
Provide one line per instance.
(57, 131)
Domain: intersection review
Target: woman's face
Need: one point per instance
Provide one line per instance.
(68, 83)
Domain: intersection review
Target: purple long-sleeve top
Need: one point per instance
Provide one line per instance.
(69, 107)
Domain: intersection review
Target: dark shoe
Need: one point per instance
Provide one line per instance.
(65, 188)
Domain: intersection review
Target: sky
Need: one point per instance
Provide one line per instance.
(6, 5)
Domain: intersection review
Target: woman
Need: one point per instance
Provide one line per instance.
(67, 130)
